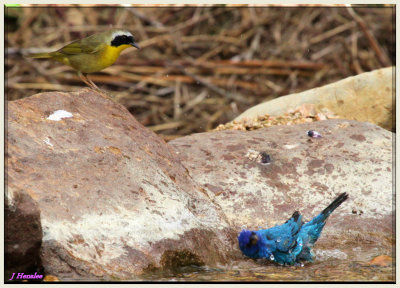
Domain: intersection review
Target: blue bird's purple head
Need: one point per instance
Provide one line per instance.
(252, 245)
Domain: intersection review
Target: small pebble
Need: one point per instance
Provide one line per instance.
(50, 278)
(313, 134)
(382, 260)
(265, 158)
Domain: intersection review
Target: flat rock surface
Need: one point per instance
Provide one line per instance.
(305, 174)
(112, 197)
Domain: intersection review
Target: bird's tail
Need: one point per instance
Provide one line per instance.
(40, 55)
(311, 231)
(336, 203)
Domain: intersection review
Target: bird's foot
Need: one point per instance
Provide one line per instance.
(104, 93)
(91, 84)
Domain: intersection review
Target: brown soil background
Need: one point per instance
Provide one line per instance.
(201, 66)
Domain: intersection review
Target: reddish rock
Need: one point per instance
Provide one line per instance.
(305, 174)
(112, 196)
(115, 200)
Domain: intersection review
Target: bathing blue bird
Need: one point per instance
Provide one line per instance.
(290, 242)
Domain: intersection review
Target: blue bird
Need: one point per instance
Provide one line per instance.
(290, 242)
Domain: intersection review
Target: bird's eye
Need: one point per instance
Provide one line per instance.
(253, 239)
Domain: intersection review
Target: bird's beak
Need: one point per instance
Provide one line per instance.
(134, 44)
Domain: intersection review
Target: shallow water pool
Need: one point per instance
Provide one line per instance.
(332, 265)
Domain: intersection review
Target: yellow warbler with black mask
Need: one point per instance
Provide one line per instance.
(93, 53)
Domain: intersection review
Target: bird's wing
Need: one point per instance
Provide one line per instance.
(296, 216)
(311, 231)
(285, 235)
(82, 46)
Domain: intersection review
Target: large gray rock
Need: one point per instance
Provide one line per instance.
(113, 198)
(305, 174)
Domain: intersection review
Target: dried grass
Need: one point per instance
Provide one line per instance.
(202, 66)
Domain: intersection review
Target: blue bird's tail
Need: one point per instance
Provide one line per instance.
(311, 231)
(336, 203)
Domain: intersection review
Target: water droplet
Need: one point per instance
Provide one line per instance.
(278, 240)
(302, 264)
(272, 257)
(300, 244)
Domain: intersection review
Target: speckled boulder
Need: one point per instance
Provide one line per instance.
(304, 174)
(112, 197)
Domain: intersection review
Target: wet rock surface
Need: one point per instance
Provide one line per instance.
(116, 201)
(112, 196)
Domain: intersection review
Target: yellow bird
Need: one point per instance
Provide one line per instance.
(93, 53)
